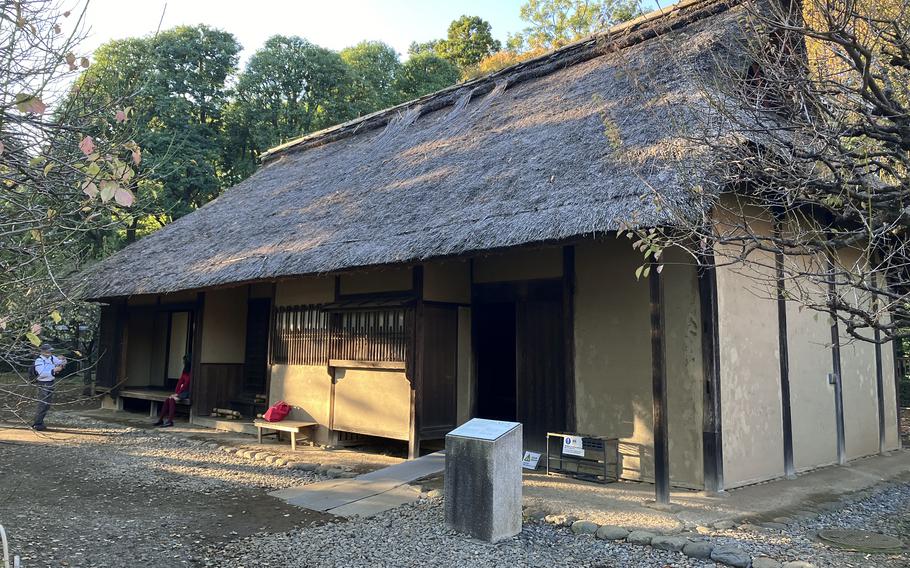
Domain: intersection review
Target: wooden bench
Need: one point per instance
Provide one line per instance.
(154, 396)
(292, 426)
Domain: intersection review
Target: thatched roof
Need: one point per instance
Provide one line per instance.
(574, 143)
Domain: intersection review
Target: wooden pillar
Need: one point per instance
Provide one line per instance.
(836, 378)
(659, 388)
(196, 355)
(568, 307)
(880, 390)
(712, 433)
(416, 366)
(123, 325)
(784, 351)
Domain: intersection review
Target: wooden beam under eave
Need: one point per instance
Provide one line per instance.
(659, 388)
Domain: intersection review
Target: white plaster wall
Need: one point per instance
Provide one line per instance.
(521, 264)
(750, 373)
(858, 371)
(447, 281)
(613, 360)
(813, 415)
(308, 389)
(305, 291)
(892, 441)
(380, 280)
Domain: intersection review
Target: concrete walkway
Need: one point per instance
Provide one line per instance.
(627, 503)
(367, 494)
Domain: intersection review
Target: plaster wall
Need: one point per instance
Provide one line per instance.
(224, 325)
(305, 291)
(858, 380)
(613, 360)
(447, 282)
(521, 264)
(751, 416)
(892, 441)
(685, 371)
(372, 402)
(177, 349)
(308, 389)
(385, 280)
(813, 415)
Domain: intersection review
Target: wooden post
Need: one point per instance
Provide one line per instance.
(659, 388)
(196, 360)
(783, 349)
(416, 371)
(836, 374)
(568, 315)
(712, 433)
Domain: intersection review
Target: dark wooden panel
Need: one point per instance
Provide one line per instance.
(216, 385)
(440, 367)
(109, 336)
(541, 369)
(257, 344)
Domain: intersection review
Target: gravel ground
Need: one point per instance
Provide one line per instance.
(415, 536)
(92, 493)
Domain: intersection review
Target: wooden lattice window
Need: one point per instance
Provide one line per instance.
(300, 336)
(310, 335)
(376, 335)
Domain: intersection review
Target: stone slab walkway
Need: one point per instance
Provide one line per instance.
(368, 494)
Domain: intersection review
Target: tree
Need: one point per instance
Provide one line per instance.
(424, 73)
(289, 88)
(814, 165)
(554, 23)
(374, 68)
(56, 182)
(176, 82)
(469, 40)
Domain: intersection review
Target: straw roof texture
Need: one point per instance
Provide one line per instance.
(576, 143)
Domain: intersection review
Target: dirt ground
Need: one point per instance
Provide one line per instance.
(89, 493)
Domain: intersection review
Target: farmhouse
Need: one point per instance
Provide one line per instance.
(458, 256)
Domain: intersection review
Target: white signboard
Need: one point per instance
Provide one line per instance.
(483, 429)
(572, 445)
(530, 460)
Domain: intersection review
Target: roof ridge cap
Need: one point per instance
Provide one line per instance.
(568, 55)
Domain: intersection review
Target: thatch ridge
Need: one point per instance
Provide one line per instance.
(619, 36)
(579, 144)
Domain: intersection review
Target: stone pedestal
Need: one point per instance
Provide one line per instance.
(483, 479)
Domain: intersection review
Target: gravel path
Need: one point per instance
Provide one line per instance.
(415, 536)
(92, 493)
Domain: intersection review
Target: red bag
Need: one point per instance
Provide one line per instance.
(277, 412)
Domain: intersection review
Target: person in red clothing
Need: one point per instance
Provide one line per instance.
(182, 392)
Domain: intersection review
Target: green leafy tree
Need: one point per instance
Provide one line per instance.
(374, 67)
(425, 73)
(554, 23)
(470, 39)
(57, 182)
(290, 87)
(423, 47)
(175, 85)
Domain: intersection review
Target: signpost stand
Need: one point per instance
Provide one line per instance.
(483, 479)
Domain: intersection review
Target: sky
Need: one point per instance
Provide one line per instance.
(332, 24)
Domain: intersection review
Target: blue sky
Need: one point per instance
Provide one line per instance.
(330, 23)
